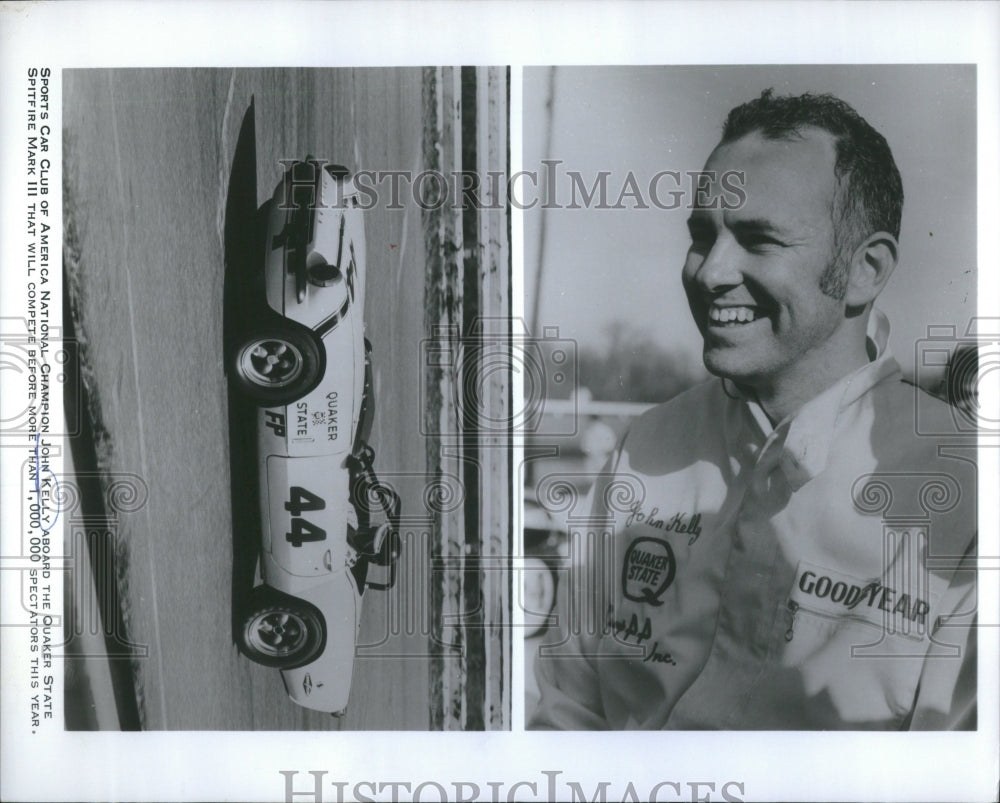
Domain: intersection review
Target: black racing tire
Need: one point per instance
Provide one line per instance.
(281, 631)
(276, 364)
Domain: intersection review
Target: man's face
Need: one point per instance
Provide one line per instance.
(752, 274)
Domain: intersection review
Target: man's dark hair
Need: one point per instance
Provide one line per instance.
(870, 190)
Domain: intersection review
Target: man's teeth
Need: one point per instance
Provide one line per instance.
(732, 314)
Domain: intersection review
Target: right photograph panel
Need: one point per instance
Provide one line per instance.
(750, 499)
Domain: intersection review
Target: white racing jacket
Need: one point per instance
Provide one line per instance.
(814, 575)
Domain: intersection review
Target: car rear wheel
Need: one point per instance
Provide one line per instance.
(280, 630)
(276, 365)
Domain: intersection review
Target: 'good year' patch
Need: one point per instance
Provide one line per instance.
(648, 570)
(878, 602)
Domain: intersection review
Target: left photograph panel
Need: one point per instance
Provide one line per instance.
(288, 290)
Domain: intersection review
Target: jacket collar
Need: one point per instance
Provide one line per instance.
(800, 444)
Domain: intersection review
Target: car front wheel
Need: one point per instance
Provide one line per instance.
(281, 631)
(276, 365)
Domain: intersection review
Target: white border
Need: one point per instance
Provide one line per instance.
(244, 766)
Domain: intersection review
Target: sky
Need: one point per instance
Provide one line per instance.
(602, 265)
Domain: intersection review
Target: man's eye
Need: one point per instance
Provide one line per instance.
(758, 242)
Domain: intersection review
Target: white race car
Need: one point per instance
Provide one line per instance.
(305, 363)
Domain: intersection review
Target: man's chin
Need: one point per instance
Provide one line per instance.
(725, 364)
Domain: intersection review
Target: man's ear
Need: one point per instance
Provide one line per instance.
(871, 266)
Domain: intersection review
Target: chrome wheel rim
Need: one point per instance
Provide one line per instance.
(278, 633)
(271, 362)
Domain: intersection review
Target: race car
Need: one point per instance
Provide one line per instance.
(302, 359)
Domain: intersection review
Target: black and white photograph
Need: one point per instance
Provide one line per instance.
(451, 401)
(788, 543)
(265, 356)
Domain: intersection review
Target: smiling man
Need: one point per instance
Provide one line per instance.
(778, 548)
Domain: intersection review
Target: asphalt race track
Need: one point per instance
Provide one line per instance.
(147, 162)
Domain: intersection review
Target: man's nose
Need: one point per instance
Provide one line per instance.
(719, 268)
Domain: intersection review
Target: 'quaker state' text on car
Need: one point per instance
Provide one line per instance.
(304, 361)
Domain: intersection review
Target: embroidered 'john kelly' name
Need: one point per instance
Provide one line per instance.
(678, 523)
